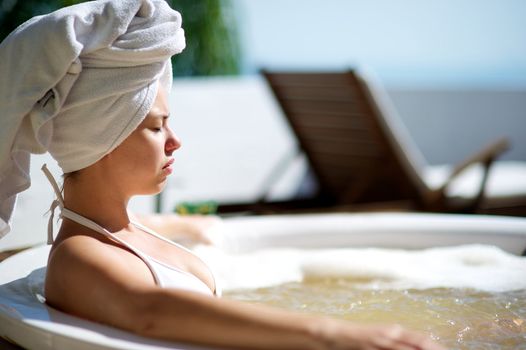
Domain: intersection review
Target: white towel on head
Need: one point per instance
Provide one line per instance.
(77, 82)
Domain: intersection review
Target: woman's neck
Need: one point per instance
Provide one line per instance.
(92, 197)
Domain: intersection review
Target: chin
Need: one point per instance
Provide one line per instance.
(152, 190)
(159, 188)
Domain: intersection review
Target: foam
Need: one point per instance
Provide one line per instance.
(481, 267)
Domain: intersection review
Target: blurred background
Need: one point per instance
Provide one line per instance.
(455, 70)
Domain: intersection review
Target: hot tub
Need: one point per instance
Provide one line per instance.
(27, 321)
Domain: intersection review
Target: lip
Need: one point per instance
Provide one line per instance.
(168, 163)
(167, 168)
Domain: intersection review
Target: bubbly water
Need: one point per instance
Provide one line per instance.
(466, 297)
(480, 267)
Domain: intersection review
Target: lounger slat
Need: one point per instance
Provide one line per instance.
(338, 129)
(315, 93)
(316, 79)
(345, 134)
(355, 108)
(348, 164)
(340, 118)
(343, 147)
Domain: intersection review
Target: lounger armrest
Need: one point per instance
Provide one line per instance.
(485, 156)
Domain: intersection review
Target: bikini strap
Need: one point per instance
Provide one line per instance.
(65, 212)
(57, 202)
(81, 220)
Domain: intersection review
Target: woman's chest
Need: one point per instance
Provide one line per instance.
(170, 255)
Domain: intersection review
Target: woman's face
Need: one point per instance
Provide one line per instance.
(142, 163)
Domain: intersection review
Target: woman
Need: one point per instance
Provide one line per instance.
(103, 116)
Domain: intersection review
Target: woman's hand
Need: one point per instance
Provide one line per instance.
(336, 334)
(190, 229)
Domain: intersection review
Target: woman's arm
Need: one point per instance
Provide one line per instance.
(189, 317)
(107, 284)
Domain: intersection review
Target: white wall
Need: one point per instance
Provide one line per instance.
(450, 124)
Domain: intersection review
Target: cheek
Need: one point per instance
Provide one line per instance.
(150, 151)
(129, 161)
(140, 154)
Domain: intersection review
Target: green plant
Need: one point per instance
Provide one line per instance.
(210, 27)
(212, 44)
(15, 12)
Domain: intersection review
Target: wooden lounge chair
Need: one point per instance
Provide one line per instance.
(360, 152)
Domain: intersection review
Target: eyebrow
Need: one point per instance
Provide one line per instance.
(160, 115)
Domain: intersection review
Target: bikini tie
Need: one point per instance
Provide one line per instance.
(52, 208)
(58, 202)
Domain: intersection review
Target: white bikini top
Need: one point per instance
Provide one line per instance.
(166, 276)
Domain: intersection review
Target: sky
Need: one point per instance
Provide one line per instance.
(407, 42)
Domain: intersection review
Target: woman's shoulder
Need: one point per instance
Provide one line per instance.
(85, 273)
(83, 254)
(80, 251)
(79, 262)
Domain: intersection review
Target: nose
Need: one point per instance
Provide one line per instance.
(172, 142)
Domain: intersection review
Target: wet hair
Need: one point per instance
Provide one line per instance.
(68, 175)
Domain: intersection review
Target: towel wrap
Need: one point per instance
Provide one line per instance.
(76, 82)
